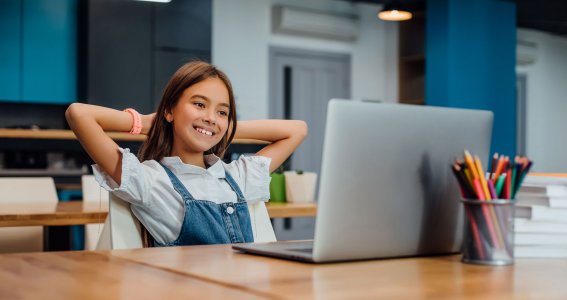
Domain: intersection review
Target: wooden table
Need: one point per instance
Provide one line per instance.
(52, 214)
(79, 212)
(218, 272)
(441, 277)
(91, 275)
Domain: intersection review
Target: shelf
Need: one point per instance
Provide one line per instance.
(52, 134)
(41, 172)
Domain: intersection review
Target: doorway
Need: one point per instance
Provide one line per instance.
(301, 84)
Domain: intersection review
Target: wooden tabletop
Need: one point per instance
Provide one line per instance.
(79, 212)
(441, 277)
(91, 275)
(52, 214)
(54, 134)
(217, 271)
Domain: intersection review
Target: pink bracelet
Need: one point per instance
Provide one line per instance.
(137, 124)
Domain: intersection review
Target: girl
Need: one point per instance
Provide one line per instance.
(178, 187)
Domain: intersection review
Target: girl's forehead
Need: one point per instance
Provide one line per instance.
(211, 89)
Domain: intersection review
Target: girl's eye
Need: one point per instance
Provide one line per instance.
(223, 113)
(199, 104)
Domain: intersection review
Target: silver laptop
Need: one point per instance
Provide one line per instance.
(386, 187)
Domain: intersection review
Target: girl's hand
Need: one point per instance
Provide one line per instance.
(284, 135)
(147, 121)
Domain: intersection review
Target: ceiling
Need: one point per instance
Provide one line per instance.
(544, 15)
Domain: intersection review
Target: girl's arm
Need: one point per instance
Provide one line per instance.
(284, 135)
(89, 122)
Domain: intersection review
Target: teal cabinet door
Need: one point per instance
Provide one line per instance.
(49, 50)
(10, 56)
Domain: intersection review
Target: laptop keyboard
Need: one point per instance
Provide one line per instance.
(304, 250)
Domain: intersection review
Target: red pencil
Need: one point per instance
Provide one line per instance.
(487, 215)
(476, 235)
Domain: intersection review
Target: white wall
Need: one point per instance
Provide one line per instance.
(242, 36)
(546, 116)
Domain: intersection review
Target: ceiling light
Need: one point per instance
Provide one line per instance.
(394, 11)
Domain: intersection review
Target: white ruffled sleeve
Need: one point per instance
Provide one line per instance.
(252, 174)
(135, 183)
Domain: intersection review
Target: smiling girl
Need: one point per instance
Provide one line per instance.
(178, 186)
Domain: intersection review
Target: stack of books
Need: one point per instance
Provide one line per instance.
(541, 217)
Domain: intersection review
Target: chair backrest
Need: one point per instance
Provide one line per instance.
(25, 190)
(122, 230)
(261, 224)
(93, 192)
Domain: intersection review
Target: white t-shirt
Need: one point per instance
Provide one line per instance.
(161, 209)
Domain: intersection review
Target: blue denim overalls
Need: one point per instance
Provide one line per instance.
(207, 222)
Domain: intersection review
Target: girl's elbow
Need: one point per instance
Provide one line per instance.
(73, 111)
(302, 129)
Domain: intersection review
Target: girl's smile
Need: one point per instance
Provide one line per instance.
(204, 131)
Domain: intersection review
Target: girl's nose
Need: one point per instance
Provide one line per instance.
(211, 117)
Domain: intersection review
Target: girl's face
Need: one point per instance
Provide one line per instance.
(200, 117)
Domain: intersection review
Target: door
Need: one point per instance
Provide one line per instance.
(301, 84)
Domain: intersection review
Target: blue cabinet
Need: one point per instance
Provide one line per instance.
(39, 51)
(10, 54)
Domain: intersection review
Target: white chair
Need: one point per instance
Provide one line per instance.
(93, 193)
(122, 230)
(261, 225)
(29, 191)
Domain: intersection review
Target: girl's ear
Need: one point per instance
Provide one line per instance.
(168, 117)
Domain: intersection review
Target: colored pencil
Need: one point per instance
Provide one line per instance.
(494, 163)
(500, 185)
(523, 174)
(481, 177)
(499, 167)
(476, 235)
(471, 165)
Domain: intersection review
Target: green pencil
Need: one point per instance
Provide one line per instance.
(500, 184)
(513, 179)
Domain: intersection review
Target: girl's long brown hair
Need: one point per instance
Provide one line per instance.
(160, 137)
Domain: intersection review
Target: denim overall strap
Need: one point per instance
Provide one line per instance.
(177, 185)
(234, 187)
(207, 222)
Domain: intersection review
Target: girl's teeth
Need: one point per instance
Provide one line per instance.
(204, 131)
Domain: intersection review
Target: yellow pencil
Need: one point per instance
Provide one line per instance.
(470, 164)
(482, 179)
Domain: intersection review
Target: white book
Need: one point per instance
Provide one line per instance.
(541, 213)
(540, 251)
(540, 239)
(525, 199)
(545, 180)
(529, 226)
(544, 190)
